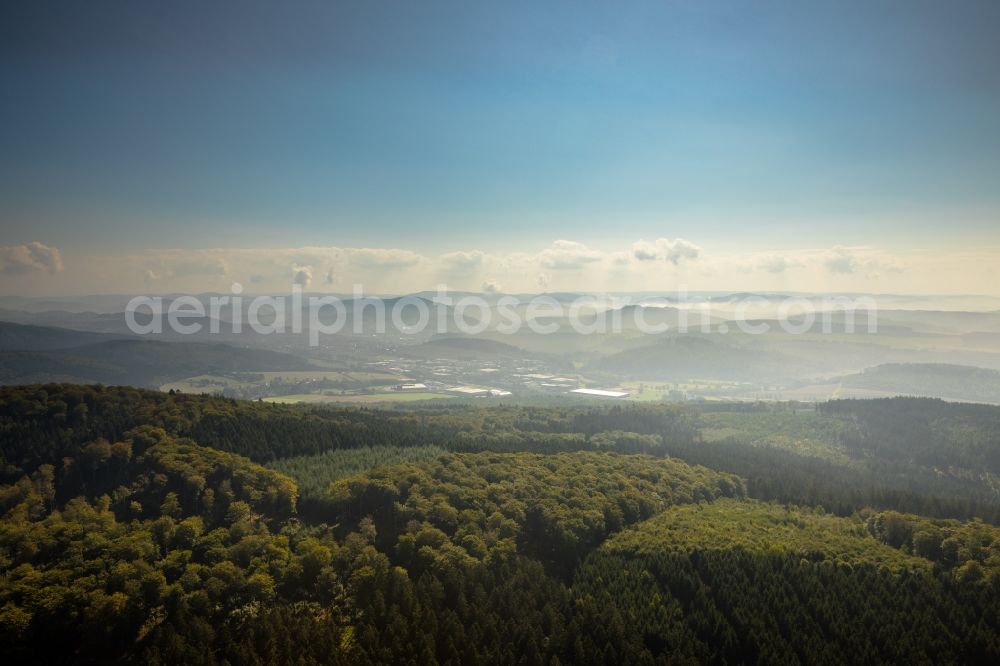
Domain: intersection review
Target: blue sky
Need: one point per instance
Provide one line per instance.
(499, 127)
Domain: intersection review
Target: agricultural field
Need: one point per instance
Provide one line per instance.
(659, 390)
(344, 376)
(822, 392)
(254, 385)
(208, 384)
(324, 398)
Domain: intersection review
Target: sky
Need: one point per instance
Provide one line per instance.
(519, 146)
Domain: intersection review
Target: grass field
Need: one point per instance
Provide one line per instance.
(332, 375)
(655, 390)
(251, 380)
(822, 392)
(207, 384)
(316, 398)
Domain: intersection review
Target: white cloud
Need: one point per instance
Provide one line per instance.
(386, 259)
(568, 255)
(866, 261)
(644, 251)
(680, 249)
(273, 268)
(399, 271)
(621, 258)
(778, 263)
(302, 275)
(842, 261)
(203, 266)
(463, 260)
(665, 249)
(33, 257)
(199, 265)
(491, 287)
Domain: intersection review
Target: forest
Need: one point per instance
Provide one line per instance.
(144, 527)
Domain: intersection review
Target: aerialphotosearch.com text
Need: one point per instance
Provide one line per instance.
(317, 316)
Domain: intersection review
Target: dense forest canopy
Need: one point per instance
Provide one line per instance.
(142, 526)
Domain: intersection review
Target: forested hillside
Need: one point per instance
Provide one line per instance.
(914, 455)
(952, 382)
(736, 582)
(43, 354)
(144, 527)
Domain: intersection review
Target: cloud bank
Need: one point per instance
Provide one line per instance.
(663, 264)
(664, 249)
(33, 257)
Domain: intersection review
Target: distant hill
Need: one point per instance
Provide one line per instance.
(690, 357)
(836, 322)
(138, 362)
(31, 367)
(934, 380)
(982, 340)
(93, 322)
(465, 348)
(630, 319)
(951, 322)
(659, 317)
(360, 316)
(22, 337)
(415, 316)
